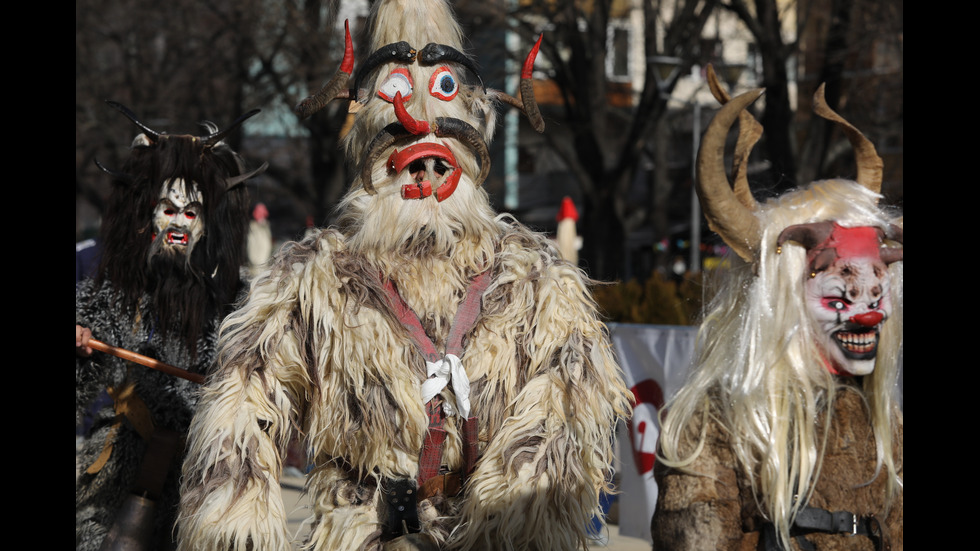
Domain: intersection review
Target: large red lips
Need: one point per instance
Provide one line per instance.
(399, 160)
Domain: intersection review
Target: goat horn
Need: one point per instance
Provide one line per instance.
(235, 181)
(212, 139)
(869, 165)
(117, 175)
(395, 52)
(154, 135)
(893, 254)
(385, 139)
(527, 89)
(434, 53)
(332, 89)
(725, 214)
(447, 127)
(749, 132)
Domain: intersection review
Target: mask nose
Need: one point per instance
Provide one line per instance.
(868, 319)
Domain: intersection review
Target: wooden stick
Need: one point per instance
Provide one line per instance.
(95, 344)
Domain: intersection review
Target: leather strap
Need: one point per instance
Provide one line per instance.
(813, 519)
(128, 405)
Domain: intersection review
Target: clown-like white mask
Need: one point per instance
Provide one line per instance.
(849, 300)
(177, 222)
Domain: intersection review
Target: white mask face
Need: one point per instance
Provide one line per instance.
(849, 301)
(177, 221)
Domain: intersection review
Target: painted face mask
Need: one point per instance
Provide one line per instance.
(847, 291)
(177, 222)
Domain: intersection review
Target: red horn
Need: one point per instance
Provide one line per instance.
(333, 89)
(527, 89)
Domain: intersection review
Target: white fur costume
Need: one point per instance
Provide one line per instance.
(317, 351)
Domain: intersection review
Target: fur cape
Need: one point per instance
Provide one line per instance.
(715, 508)
(169, 402)
(167, 307)
(315, 352)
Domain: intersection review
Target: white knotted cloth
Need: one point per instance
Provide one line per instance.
(441, 373)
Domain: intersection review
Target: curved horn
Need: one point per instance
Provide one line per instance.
(332, 89)
(212, 139)
(527, 89)
(385, 139)
(809, 235)
(117, 175)
(419, 128)
(434, 53)
(397, 51)
(233, 182)
(728, 217)
(869, 165)
(893, 254)
(153, 134)
(749, 132)
(447, 127)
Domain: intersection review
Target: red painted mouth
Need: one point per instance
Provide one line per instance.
(177, 238)
(415, 158)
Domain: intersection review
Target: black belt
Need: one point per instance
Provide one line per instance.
(811, 519)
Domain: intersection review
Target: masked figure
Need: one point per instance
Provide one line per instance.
(173, 234)
(448, 372)
(787, 435)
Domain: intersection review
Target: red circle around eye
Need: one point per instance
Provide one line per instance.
(190, 214)
(443, 85)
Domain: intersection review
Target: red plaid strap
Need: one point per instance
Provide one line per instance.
(430, 460)
(467, 313)
(410, 320)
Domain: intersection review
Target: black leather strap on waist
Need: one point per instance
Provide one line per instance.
(814, 520)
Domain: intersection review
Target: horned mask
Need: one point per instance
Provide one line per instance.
(177, 221)
(417, 116)
(846, 283)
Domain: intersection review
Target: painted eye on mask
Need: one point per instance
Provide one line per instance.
(398, 81)
(443, 84)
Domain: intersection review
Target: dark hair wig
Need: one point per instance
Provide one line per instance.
(184, 294)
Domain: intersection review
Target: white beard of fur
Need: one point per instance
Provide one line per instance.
(309, 351)
(392, 231)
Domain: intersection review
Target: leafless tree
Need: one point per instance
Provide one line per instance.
(602, 142)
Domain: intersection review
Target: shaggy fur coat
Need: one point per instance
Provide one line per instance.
(169, 400)
(315, 350)
(716, 509)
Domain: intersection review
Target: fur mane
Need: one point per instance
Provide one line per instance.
(410, 241)
(759, 371)
(182, 294)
